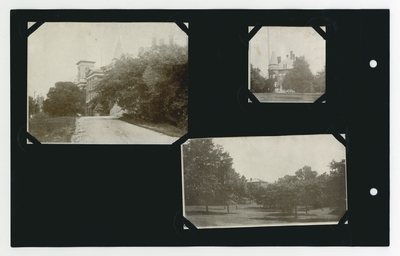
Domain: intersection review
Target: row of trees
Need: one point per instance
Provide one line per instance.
(210, 179)
(152, 87)
(307, 189)
(299, 79)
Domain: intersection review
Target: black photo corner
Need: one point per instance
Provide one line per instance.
(131, 195)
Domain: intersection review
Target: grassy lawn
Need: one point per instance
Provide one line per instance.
(163, 128)
(253, 215)
(52, 129)
(287, 97)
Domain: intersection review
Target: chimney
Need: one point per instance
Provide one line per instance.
(291, 55)
(171, 39)
(153, 42)
(279, 59)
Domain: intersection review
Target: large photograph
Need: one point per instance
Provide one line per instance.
(264, 181)
(107, 83)
(287, 64)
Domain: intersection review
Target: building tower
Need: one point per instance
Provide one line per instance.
(83, 67)
(273, 66)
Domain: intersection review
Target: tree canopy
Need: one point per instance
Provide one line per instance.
(151, 87)
(64, 99)
(209, 177)
(300, 78)
(259, 83)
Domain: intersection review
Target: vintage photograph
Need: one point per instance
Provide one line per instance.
(287, 64)
(107, 83)
(264, 181)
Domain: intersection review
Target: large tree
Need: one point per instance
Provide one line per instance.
(151, 87)
(299, 79)
(209, 177)
(64, 99)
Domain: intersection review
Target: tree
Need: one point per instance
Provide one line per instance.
(152, 87)
(64, 99)
(209, 177)
(308, 186)
(300, 78)
(258, 83)
(320, 81)
(33, 106)
(337, 184)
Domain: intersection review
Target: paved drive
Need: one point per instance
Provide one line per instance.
(110, 130)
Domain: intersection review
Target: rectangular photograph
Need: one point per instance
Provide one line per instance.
(107, 83)
(264, 181)
(287, 65)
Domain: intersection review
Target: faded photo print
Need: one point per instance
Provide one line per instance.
(107, 83)
(264, 181)
(287, 64)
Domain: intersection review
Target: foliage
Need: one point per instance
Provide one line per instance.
(152, 87)
(33, 106)
(258, 83)
(299, 79)
(65, 99)
(52, 129)
(307, 188)
(320, 81)
(208, 175)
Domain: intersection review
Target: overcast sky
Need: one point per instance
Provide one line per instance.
(303, 41)
(55, 48)
(269, 158)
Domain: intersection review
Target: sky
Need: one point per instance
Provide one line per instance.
(270, 158)
(303, 41)
(55, 48)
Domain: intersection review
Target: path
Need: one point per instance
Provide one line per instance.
(110, 130)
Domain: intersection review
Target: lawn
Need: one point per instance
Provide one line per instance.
(163, 128)
(253, 215)
(52, 129)
(287, 97)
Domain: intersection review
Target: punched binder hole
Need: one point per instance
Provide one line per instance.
(373, 191)
(373, 63)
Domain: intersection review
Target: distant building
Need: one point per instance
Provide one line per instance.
(278, 68)
(257, 182)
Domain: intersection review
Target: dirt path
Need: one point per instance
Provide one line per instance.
(110, 130)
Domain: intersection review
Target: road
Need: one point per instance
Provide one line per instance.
(110, 130)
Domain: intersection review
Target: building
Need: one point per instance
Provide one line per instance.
(278, 68)
(257, 182)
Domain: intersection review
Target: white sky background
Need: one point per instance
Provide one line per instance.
(55, 48)
(270, 158)
(303, 41)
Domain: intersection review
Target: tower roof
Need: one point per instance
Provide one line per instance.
(273, 60)
(118, 50)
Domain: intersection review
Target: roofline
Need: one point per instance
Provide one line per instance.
(87, 61)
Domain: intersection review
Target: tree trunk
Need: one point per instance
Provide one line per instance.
(227, 207)
(206, 208)
(295, 212)
(306, 209)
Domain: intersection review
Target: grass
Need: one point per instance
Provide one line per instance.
(287, 97)
(163, 128)
(52, 129)
(253, 215)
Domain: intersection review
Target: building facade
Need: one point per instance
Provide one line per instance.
(278, 68)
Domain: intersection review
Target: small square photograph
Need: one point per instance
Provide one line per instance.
(287, 65)
(264, 181)
(107, 83)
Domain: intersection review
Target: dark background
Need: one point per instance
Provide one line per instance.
(95, 195)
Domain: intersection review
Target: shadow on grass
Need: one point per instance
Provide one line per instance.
(291, 219)
(290, 214)
(207, 213)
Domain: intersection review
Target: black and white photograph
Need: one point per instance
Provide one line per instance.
(264, 181)
(107, 83)
(287, 65)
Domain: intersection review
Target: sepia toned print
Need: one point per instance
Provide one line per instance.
(107, 83)
(264, 181)
(287, 64)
